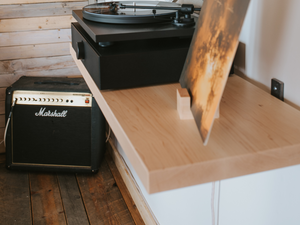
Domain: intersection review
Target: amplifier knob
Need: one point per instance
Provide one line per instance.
(80, 50)
(43, 99)
(24, 99)
(20, 99)
(61, 100)
(56, 100)
(52, 99)
(29, 99)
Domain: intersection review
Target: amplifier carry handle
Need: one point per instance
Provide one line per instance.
(56, 82)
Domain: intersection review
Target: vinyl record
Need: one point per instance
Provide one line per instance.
(109, 12)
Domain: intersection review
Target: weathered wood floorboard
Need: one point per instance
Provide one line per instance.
(102, 198)
(72, 201)
(123, 189)
(14, 197)
(59, 199)
(46, 201)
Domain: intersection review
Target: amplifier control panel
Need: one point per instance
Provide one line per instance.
(52, 98)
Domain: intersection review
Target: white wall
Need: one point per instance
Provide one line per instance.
(267, 198)
(271, 34)
(270, 49)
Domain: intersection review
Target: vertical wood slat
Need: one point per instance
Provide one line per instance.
(46, 201)
(102, 199)
(72, 201)
(14, 197)
(123, 189)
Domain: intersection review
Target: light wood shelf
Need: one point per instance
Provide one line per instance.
(255, 132)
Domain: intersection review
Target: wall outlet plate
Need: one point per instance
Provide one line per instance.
(277, 88)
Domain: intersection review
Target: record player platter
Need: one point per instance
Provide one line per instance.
(110, 12)
(138, 12)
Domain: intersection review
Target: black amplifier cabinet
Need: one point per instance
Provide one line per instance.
(56, 125)
(131, 63)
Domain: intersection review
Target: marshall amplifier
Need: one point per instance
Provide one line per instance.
(55, 125)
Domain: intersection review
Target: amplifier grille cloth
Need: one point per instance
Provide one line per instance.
(48, 140)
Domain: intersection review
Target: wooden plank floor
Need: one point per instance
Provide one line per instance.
(59, 199)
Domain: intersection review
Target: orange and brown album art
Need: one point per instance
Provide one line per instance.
(210, 57)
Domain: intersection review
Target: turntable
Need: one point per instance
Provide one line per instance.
(133, 44)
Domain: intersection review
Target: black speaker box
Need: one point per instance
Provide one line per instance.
(55, 125)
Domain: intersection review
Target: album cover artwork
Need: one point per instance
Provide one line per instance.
(210, 57)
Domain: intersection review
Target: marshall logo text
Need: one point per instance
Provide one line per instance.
(48, 113)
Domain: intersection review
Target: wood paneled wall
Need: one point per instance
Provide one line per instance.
(34, 41)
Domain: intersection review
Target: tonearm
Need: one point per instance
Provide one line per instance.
(183, 13)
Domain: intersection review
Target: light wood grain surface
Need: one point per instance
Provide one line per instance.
(33, 51)
(255, 132)
(184, 104)
(39, 10)
(35, 37)
(36, 23)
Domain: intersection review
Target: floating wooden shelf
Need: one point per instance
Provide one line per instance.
(255, 132)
